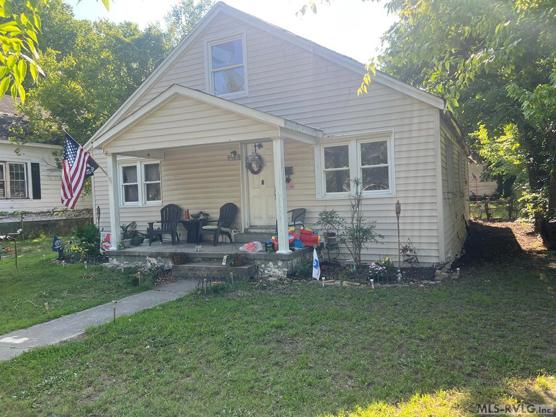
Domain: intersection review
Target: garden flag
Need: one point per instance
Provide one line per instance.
(316, 265)
(76, 167)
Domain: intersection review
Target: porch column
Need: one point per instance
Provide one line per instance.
(114, 199)
(281, 195)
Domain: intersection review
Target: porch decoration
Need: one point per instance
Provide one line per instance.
(316, 264)
(255, 162)
(58, 246)
(234, 156)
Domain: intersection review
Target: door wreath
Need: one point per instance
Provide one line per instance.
(255, 163)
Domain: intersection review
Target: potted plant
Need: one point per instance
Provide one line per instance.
(131, 236)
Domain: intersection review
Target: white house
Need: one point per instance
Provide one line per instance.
(29, 173)
(478, 186)
(237, 81)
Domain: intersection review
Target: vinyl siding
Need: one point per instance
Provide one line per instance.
(455, 189)
(291, 82)
(50, 176)
(184, 121)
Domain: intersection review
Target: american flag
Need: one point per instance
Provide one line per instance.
(76, 167)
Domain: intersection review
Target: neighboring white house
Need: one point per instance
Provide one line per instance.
(237, 81)
(478, 186)
(29, 174)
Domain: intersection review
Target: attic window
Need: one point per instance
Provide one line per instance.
(227, 67)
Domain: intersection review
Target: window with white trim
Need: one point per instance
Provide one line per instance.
(227, 73)
(140, 183)
(13, 180)
(374, 167)
(151, 182)
(336, 169)
(369, 160)
(130, 184)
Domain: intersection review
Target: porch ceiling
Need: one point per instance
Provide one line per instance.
(181, 116)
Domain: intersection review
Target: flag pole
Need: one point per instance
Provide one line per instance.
(99, 166)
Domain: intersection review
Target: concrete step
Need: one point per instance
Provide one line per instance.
(200, 270)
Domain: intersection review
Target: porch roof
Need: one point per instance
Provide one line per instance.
(281, 126)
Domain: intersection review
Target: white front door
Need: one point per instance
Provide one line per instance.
(262, 204)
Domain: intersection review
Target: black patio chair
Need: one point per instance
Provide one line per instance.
(228, 213)
(296, 217)
(170, 216)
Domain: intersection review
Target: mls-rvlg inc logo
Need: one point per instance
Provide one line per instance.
(521, 408)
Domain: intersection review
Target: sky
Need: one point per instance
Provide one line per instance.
(351, 27)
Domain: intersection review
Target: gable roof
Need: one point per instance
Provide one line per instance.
(233, 107)
(286, 35)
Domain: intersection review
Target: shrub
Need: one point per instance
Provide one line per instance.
(358, 231)
(86, 248)
(409, 253)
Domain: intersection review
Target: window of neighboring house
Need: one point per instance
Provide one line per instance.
(140, 183)
(227, 67)
(368, 160)
(13, 180)
(18, 180)
(151, 182)
(130, 184)
(336, 169)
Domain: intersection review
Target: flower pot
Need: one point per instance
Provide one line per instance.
(126, 243)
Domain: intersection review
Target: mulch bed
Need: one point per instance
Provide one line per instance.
(499, 242)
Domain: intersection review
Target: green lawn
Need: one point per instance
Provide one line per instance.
(41, 289)
(302, 350)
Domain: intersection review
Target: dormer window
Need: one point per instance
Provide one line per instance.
(227, 67)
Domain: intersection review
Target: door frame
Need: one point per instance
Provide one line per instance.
(245, 200)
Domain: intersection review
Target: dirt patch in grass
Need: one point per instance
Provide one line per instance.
(524, 233)
(499, 242)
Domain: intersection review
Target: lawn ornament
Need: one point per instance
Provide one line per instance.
(58, 246)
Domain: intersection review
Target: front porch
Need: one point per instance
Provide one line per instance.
(195, 138)
(188, 260)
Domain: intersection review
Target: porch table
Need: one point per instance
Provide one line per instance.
(194, 228)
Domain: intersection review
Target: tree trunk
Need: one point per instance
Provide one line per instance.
(552, 179)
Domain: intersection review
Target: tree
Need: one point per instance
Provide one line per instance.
(183, 17)
(20, 27)
(495, 64)
(92, 69)
(95, 67)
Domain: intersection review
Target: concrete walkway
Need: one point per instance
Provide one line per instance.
(73, 325)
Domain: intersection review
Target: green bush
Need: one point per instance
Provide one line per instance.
(86, 248)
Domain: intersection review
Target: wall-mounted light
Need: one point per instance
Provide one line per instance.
(234, 156)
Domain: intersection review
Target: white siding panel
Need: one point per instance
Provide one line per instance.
(454, 191)
(419, 212)
(182, 121)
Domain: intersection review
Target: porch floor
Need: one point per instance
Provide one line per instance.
(205, 250)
